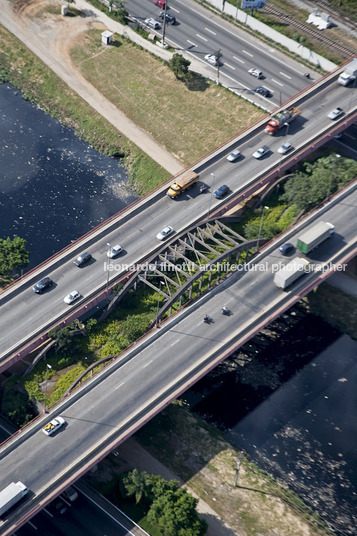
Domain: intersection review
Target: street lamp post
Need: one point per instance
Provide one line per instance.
(261, 225)
(158, 303)
(48, 367)
(332, 175)
(210, 198)
(164, 27)
(108, 265)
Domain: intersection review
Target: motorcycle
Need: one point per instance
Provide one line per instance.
(207, 319)
(225, 311)
(307, 75)
(203, 188)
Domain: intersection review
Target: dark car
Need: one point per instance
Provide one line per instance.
(59, 507)
(170, 19)
(42, 285)
(82, 259)
(221, 192)
(287, 248)
(263, 91)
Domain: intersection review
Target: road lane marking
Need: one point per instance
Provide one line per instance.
(349, 136)
(248, 53)
(147, 364)
(118, 386)
(175, 342)
(238, 59)
(276, 82)
(230, 66)
(193, 44)
(286, 75)
(174, 9)
(210, 31)
(201, 37)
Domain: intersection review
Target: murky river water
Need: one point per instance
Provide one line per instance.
(53, 186)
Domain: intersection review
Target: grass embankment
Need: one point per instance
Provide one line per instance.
(189, 123)
(40, 85)
(206, 462)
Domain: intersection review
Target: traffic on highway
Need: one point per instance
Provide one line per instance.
(137, 236)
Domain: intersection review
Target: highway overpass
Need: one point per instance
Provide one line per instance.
(136, 228)
(104, 412)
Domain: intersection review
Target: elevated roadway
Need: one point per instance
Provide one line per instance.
(135, 230)
(106, 411)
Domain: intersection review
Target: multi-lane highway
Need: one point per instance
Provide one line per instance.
(137, 387)
(199, 31)
(137, 235)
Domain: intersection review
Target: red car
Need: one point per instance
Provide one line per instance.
(160, 3)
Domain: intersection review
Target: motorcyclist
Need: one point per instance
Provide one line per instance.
(203, 188)
(224, 310)
(307, 75)
(206, 318)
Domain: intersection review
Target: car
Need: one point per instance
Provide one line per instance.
(337, 112)
(287, 248)
(160, 3)
(70, 494)
(212, 59)
(234, 155)
(42, 285)
(285, 148)
(164, 233)
(170, 19)
(338, 136)
(259, 153)
(221, 191)
(114, 251)
(255, 72)
(82, 259)
(59, 507)
(72, 297)
(265, 92)
(53, 425)
(152, 23)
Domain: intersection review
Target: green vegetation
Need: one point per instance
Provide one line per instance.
(13, 255)
(179, 66)
(41, 86)
(161, 104)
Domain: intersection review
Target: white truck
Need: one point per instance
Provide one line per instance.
(10, 495)
(349, 74)
(315, 236)
(290, 272)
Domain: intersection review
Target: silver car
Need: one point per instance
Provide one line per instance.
(285, 148)
(259, 153)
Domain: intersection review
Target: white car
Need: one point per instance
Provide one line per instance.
(114, 251)
(164, 233)
(72, 297)
(255, 72)
(234, 155)
(53, 425)
(335, 113)
(261, 151)
(285, 148)
(152, 23)
(212, 59)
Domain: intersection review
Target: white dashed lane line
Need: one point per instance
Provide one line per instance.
(238, 59)
(210, 31)
(286, 75)
(248, 53)
(147, 364)
(200, 37)
(230, 66)
(193, 44)
(276, 82)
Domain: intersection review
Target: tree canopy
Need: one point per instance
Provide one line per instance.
(179, 65)
(13, 255)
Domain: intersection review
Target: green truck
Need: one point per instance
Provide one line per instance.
(315, 236)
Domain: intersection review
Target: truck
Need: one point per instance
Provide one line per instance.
(182, 183)
(315, 236)
(10, 495)
(290, 272)
(349, 74)
(280, 119)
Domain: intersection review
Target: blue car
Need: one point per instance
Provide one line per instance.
(287, 248)
(221, 192)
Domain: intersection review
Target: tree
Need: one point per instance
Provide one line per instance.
(175, 513)
(13, 255)
(179, 66)
(138, 485)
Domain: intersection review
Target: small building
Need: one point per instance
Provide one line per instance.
(107, 37)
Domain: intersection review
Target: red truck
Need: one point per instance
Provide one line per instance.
(280, 119)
